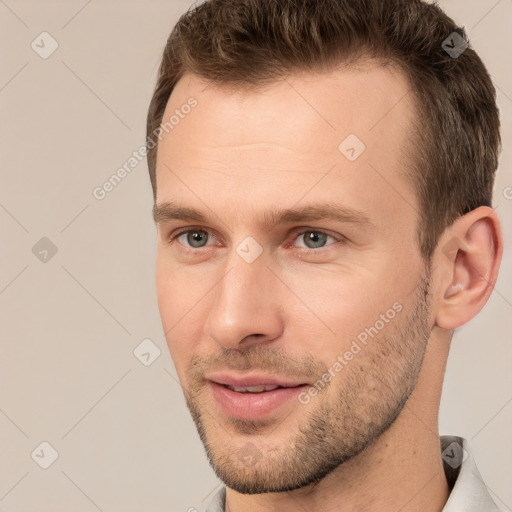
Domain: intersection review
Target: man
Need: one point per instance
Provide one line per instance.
(322, 174)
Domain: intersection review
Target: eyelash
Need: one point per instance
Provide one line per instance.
(339, 238)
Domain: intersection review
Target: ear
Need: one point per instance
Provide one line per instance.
(468, 259)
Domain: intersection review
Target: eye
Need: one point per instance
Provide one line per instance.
(195, 238)
(313, 239)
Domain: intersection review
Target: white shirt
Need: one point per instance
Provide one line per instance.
(468, 491)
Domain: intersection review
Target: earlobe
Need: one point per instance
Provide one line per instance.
(469, 256)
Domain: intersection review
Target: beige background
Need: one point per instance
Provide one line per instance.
(68, 374)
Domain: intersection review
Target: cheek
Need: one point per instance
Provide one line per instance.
(179, 302)
(179, 289)
(335, 308)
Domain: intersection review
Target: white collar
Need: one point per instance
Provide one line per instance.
(468, 491)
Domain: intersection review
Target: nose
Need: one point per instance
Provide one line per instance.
(246, 307)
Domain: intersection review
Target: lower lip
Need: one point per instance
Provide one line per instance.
(252, 406)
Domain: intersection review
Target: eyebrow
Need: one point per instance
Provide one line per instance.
(168, 211)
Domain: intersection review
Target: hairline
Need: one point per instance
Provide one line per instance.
(409, 160)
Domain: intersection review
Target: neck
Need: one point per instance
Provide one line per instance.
(390, 476)
(402, 470)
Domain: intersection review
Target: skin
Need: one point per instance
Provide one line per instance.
(294, 310)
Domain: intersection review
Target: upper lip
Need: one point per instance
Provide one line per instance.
(253, 380)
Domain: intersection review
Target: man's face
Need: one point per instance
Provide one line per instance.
(303, 272)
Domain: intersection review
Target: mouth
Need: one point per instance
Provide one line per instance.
(253, 397)
(252, 389)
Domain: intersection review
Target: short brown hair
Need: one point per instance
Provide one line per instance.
(249, 43)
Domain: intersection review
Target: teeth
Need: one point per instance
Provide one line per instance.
(252, 389)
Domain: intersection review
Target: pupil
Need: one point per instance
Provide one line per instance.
(315, 239)
(196, 238)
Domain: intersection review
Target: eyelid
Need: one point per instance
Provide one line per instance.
(172, 237)
(302, 231)
(295, 235)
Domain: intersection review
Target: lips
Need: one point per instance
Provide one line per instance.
(252, 389)
(245, 381)
(253, 396)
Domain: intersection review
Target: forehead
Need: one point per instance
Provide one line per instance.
(355, 98)
(287, 136)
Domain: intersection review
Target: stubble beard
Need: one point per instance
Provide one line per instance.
(375, 387)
